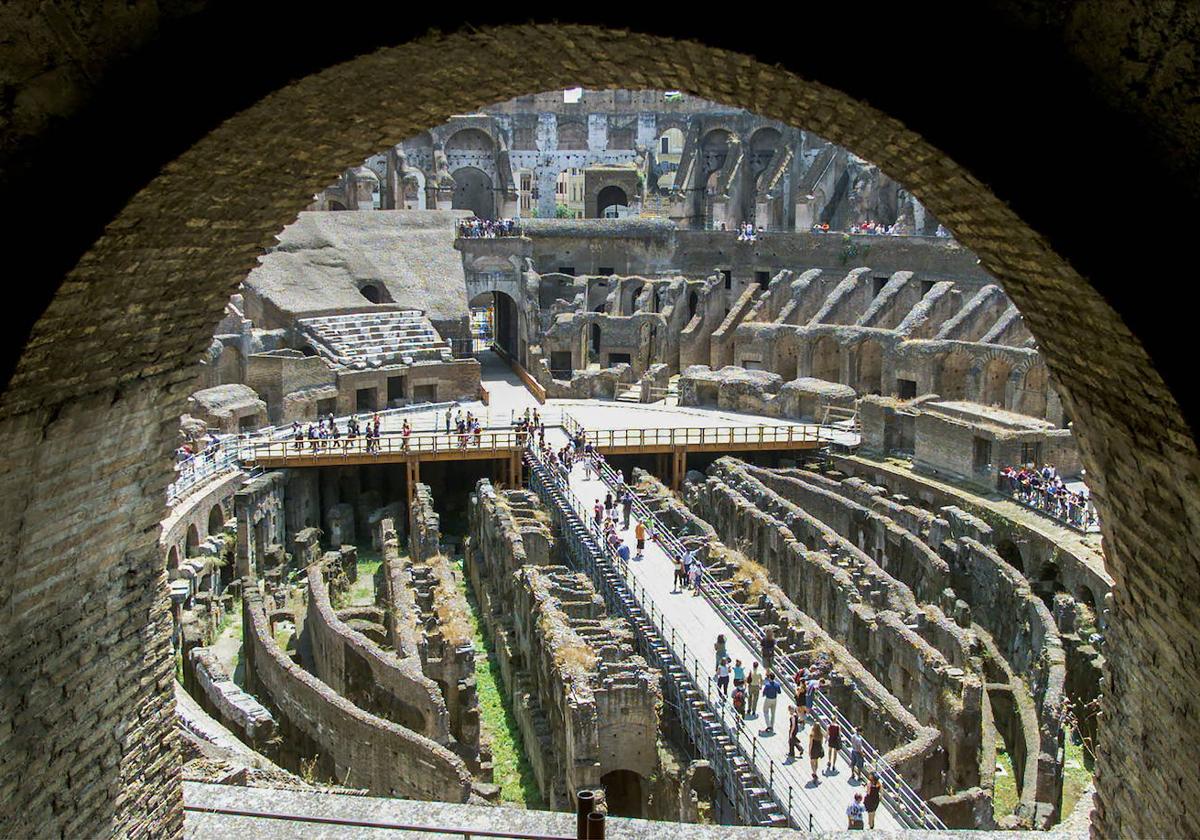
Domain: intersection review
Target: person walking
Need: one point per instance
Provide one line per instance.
(449, 419)
(626, 506)
(609, 504)
(680, 574)
(816, 748)
(768, 649)
(639, 533)
(719, 648)
(855, 812)
(739, 701)
(597, 514)
(871, 800)
(405, 434)
(723, 676)
(856, 756)
(753, 689)
(694, 572)
(833, 737)
(623, 550)
(739, 673)
(771, 689)
(794, 729)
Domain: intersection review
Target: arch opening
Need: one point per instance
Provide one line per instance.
(623, 793)
(611, 201)
(216, 520)
(473, 191)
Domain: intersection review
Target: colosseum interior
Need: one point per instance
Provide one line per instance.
(426, 461)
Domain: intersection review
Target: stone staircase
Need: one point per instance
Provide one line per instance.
(367, 340)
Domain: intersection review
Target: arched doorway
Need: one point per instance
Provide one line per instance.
(870, 368)
(950, 383)
(827, 359)
(1031, 397)
(610, 201)
(995, 382)
(192, 542)
(173, 558)
(1011, 555)
(505, 319)
(216, 520)
(473, 191)
(594, 343)
(623, 793)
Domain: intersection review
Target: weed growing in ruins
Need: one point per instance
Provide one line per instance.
(1004, 794)
(510, 766)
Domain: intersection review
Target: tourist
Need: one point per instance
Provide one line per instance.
(753, 689)
(609, 504)
(640, 534)
(720, 648)
(855, 812)
(810, 691)
(768, 648)
(871, 800)
(723, 675)
(770, 691)
(448, 419)
(816, 748)
(856, 756)
(405, 434)
(833, 735)
(739, 701)
(597, 514)
(695, 572)
(739, 673)
(794, 729)
(680, 582)
(626, 505)
(622, 550)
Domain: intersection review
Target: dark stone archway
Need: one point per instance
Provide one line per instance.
(184, 216)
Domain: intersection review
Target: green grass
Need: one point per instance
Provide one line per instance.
(510, 765)
(362, 591)
(1077, 775)
(1004, 797)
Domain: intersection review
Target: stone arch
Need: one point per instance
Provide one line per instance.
(173, 558)
(693, 303)
(594, 335)
(765, 144)
(669, 142)
(506, 320)
(1109, 409)
(191, 543)
(336, 205)
(216, 520)
(1010, 553)
(624, 793)
(950, 377)
(994, 387)
(468, 140)
(826, 359)
(1032, 395)
(610, 196)
(473, 191)
(869, 375)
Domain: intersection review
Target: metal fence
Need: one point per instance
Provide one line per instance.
(1058, 506)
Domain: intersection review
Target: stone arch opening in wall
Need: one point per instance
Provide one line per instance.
(336, 205)
(612, 197)
(594, 343)
(624, 793)
(173, 558)
(1085, 598)
(692, 303)
(764, 145)
(1031, 396)
(827, 359)
(1049, 582)
(950, 383)
(470, 141)
(371, 292)
(191, 543)
(787, 363)
(1011, 554)
(216, 520)
(473, 191)
(630, 290)
(506, 317)
(870, 368)
(995, 382)
(1091, 333)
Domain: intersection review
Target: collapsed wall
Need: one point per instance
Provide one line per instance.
(587, 707)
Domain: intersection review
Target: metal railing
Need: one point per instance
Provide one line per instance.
(1057, 506)
(394, 443)
(901, 799)
(197, 470)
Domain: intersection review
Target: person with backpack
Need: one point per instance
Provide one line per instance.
(739, 701)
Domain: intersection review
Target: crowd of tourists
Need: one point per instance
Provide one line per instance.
(874, 228)
(477, 228)
(1044, 490)
(326, 435)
